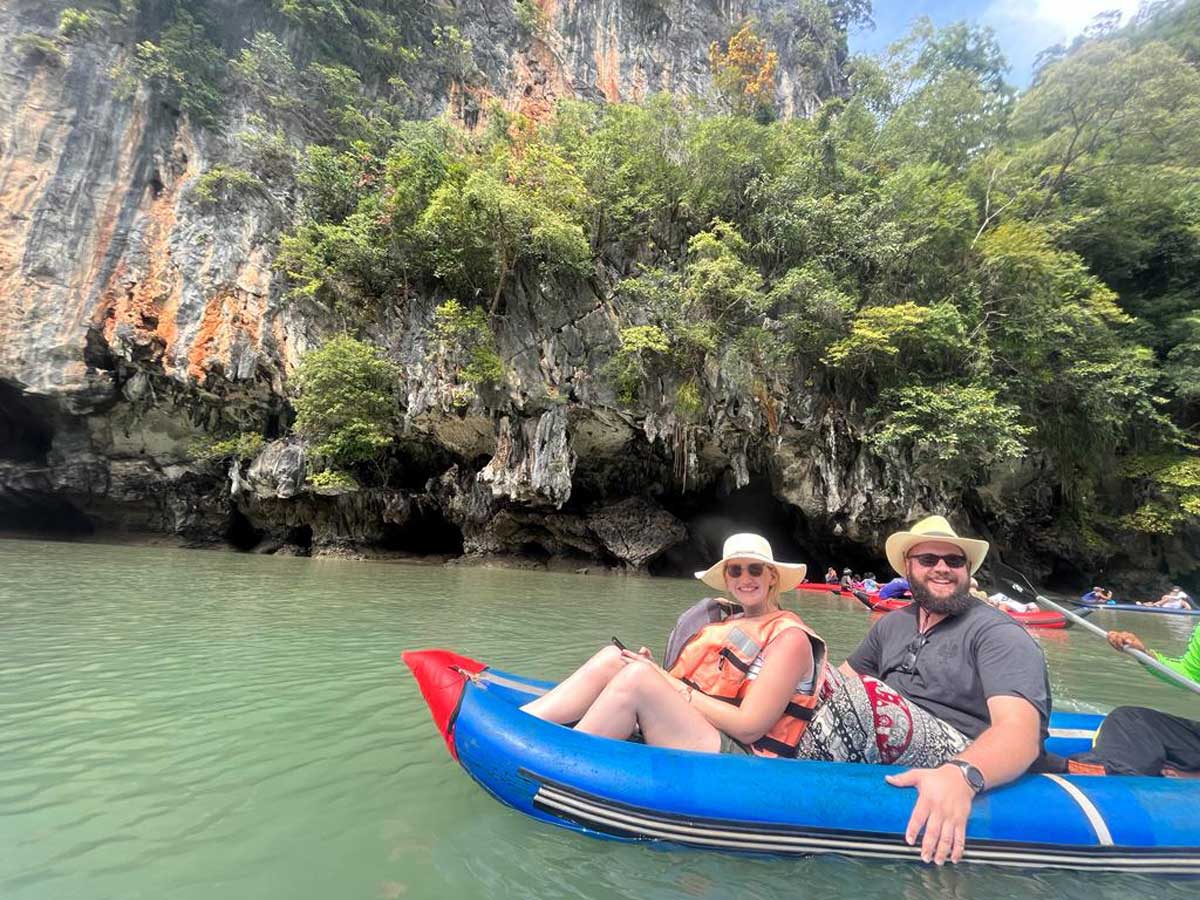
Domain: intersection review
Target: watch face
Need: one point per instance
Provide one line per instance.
(975, 777)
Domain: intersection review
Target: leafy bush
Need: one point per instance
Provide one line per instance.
(1171, 481)
(467, 331)
(642, 346)
(956, 430)
(333, 481)
(184, 65)
(39, 48)
(224, 183)
(345, 401)
(902, 336)
(241, 447)
(77, 23)
(529, 16)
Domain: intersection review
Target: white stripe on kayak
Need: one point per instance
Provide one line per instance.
(1089, 809)
(1073, 732)
(713, 836)
(500, 680)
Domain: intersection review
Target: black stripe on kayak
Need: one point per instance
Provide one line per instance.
(620, 819)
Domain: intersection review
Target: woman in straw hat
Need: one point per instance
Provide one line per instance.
(764, 659)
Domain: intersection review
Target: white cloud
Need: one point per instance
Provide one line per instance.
(1052, 21)
(1026, 27)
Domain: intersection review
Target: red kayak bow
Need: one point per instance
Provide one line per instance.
(442, 676)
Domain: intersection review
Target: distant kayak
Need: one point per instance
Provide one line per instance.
(1133, 607)
(1038, 618)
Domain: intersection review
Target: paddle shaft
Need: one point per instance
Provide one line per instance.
(1144, 658)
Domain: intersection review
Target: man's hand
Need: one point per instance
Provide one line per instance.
(1122, 639)
(943, 806)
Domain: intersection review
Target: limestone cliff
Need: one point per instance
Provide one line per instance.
(139, 318)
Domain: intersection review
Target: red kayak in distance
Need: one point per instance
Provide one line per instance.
(1040, 618)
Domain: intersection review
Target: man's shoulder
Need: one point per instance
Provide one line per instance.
(987, 623)
(903, 619)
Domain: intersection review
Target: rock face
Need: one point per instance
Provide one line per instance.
(138, 321)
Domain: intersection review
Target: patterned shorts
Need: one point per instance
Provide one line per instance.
(861, 719)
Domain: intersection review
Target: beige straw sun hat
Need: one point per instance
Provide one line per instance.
(752, 546)
(933, 528)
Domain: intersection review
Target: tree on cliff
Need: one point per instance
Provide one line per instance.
(744, 72)
(345, 401)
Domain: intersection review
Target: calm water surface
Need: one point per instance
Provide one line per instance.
(180, 724)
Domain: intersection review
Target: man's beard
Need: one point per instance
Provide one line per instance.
(954, 605)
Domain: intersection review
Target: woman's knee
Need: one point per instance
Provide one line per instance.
(605, 664)
(635, 678)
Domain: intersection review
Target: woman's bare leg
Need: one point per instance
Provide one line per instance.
(638, 695)
(569, 699)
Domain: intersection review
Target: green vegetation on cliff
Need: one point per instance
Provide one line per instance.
(980, 279)
(345, 402)
(992, 278)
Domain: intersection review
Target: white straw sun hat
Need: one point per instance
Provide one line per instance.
(752, 546)
(933, 528)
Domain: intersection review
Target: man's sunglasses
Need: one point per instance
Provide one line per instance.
(929, 560)
(734, 570)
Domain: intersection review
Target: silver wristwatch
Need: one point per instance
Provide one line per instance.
(972, 775)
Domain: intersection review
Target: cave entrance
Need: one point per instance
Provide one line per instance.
(713, 515)
(241, 533)
(426, 532)
(300, 537)
(42, 514)
(25, 430)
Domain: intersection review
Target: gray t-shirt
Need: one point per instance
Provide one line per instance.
(967, 659)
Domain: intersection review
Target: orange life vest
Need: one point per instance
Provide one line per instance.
(721, 662)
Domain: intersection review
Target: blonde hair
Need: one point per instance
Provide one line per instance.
(773, 590)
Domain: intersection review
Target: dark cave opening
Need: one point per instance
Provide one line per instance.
(301, 536)
(241, 533)
(713, 515)
(42, 514)
(425, 532)
(25, 432)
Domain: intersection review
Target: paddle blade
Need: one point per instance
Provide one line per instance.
(1014, 579)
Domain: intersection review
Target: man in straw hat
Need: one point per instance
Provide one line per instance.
(977, 672)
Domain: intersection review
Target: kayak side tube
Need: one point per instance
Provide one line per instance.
(628, 791)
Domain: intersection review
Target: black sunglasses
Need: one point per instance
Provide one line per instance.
(734, 570)
(929, 560)
(909, 666)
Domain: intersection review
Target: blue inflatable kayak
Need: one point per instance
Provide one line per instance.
(628, 791)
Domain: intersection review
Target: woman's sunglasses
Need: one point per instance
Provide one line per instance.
(929, 560)
(734, 570)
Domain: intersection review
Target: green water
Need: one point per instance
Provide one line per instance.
(182, 724)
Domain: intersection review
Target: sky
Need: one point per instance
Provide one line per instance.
(1023, 27)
